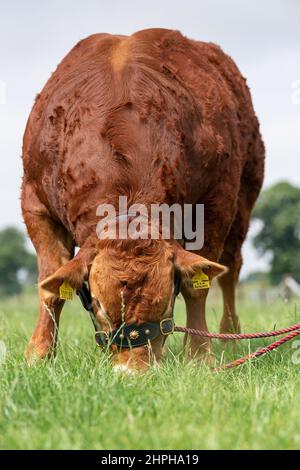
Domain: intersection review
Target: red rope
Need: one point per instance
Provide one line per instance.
(259, 352)
(236, 336)
(292, 330)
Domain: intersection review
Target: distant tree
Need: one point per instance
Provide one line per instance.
(17, 264)
(278, 209)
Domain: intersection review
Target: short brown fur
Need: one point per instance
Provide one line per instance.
(156, 117)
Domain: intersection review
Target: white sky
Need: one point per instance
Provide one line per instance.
(262, 36)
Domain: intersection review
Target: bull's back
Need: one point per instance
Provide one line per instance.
(64, 142)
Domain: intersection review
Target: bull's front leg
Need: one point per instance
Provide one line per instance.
(218, 221)
(54, 248)
(197, 347)
(44, 337)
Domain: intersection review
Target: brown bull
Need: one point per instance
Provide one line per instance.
(158, 118)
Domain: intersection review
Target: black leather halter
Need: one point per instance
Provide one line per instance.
(134, 334)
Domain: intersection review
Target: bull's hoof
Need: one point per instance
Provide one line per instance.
(229, 328)
(201, 354)
(35, 354)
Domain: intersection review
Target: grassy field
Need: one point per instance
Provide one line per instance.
(76, 402)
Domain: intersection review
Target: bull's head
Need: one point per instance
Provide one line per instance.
(132, 282)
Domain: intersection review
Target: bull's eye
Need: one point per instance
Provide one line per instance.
(101, 310)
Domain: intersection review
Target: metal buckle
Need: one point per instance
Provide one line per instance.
(101, 338)
(167, 326)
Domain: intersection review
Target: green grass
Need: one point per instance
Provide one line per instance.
(77, 402)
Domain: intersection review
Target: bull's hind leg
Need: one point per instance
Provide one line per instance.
(231, 258)
(251, 183)
(54, 248)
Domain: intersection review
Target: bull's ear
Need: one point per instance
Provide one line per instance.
(74, 272)
(189, 263)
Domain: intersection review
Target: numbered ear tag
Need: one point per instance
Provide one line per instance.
(66, 291)
(201, 281)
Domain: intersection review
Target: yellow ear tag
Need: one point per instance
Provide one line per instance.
(201, 281)
(66, 291)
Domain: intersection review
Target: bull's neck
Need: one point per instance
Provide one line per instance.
(129, 201)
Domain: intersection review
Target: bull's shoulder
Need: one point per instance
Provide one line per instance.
(76, 70)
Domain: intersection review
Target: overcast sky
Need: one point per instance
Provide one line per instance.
(262, 36)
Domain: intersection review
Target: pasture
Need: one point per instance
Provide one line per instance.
(76, 402)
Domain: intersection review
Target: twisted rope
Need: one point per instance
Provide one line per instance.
(236, 336)
(292, 331)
